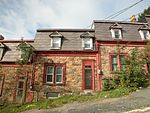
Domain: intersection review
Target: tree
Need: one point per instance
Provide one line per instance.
(141, 17)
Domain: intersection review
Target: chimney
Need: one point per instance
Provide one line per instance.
(133, 18)
(1, 37)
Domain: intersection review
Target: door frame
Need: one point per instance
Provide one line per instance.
(88, 62)
(24, 80)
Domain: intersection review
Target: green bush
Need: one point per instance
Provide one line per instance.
(133, 76)
(108, 84)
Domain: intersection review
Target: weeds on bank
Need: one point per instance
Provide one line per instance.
(52, 103)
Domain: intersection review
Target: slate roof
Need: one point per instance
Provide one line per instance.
(130, 30)
(71, 38)
(11, 54)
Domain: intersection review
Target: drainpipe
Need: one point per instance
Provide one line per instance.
(99, 70)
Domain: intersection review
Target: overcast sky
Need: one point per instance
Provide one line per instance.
(21, 18)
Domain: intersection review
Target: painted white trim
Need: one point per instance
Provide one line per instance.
(90, 42)
(113, 33)
(59, 42)
(142, 34)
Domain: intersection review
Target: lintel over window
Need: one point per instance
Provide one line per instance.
(144, 32)
(56, 40)
(116, 31)
(87, 41)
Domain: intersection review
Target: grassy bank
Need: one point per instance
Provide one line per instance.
(52, 103)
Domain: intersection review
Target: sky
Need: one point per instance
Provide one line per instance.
(21, 18)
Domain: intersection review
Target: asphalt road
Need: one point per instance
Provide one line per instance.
(137, 100)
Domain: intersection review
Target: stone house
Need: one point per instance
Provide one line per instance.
(68, 60)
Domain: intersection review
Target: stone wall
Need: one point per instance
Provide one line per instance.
(105, 60)
(73, 75)
(10, 84)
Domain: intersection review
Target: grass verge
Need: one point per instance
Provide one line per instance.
(52, 103)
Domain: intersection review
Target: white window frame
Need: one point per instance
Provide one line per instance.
(59, 74)
(90, 42)
(113, 33)
(142, 34)
(47, 74)
(59, 42)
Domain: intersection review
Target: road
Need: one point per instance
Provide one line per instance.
(137, 100)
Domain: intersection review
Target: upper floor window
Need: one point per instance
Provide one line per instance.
(54, 73)
(116, 31)
(87, 43)
(56, 43)
(144, 34)
(87, 40)
(117, 62)
(56, 40)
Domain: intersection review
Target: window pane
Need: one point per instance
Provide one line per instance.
(20, 85)
(49, 78)
(123, 67)
(117, 34)
(58, 74)
(56, 42)
(49, 70)
(114, 67)
(114, 59)
(58, 70)
(122, 59)
(114, 63)
(145, 33)
(58, 78)
(87, 43)
(122, 62)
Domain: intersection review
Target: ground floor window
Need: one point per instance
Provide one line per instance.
(1, 84)
(117, 62)
(54, 73)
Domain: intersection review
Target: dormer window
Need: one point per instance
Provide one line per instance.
(56, 40)
(87, 41)
(144, 32)
(56, 43)
(116, 31)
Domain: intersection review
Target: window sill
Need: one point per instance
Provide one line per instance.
(114, 72)
(52, 84)
(54, 48)
(87, 49)
(117, 38)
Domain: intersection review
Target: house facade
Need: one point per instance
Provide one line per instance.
(68, 60)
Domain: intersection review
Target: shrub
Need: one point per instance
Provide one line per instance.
(108, 84)
(133, 76)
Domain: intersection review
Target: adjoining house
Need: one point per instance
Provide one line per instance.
(68, 60)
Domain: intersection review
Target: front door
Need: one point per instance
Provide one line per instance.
(88, 74)
(21, 90)
(88, 77)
